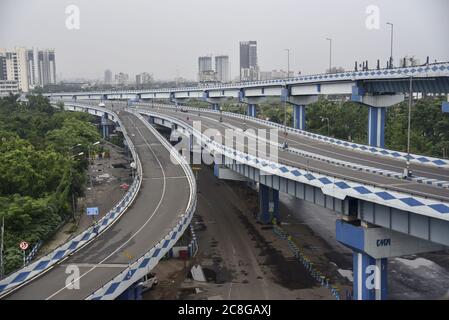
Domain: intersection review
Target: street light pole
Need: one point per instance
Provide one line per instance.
(330, 54)
(288, 62)
(1, 248)
(285, 98)
(409, 126)
(391, 45)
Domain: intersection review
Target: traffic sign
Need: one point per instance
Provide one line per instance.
(92, 211)
(23, 245)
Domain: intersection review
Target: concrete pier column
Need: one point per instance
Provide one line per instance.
(370, 277)
(376, 127)
(377, 104)
(268, 204)
(372, 246)
(105, 126)
(299, 117)
(251, 110)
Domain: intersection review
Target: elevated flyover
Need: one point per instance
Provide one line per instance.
(118, 257)
(379, 216)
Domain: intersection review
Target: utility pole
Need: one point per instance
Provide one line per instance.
(407, 164)
(391, 45)
(1, 248)
(330, 54)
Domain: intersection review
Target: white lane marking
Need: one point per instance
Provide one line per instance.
(90, 265)
(179, 177)
(307, 166)
(321, 143)
(137, 232)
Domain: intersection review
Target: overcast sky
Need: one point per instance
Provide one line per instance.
(163, 36)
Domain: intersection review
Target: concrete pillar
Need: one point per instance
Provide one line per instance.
(134, 292)
(251, 110)
(299, 108)
(370, 277)
(376, 127)
(215, 106)
(371, 246)
(370, 274)
(104, 124)
(299, 117)
(377, 104)
(268, 204)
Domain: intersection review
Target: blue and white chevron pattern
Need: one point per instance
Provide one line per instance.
(419, 159)
(437, 69)
(148, 261)
(336, 187)
(73, 245)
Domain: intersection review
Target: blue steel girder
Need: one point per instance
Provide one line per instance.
(438, 85)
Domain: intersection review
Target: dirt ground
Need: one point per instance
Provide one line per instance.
(242, 259)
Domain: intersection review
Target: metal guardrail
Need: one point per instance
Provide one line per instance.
(381, 152)
(352, 75)
(149, 260)
(330, 185)
(38, 267)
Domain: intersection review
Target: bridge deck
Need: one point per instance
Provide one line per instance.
(210, 120)
(153, 214)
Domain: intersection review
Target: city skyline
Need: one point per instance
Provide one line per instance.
(305, 36)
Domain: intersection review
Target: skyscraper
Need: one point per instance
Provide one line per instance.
(18, 65)
(108, 77)
(46, 66)
(222, 68)
(143, 79)
(249, 70)
(205, 71)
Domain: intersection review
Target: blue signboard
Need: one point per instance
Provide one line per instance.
(445, 107)
(92, 211)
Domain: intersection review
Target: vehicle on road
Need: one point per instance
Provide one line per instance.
(148, 282)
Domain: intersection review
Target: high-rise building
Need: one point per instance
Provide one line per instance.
(121, 79)
(31, 68)
(144, 78)
(222, 68)
(205, 71)
(3, 74)
(46, 67)
(18, 65)
(108, 77)
(249, 69)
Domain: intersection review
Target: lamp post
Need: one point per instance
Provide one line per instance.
(88, 155)
(288, 62)
(2, 231)
(407, 164)
(328, 125)
(330, 54)
(391, 45)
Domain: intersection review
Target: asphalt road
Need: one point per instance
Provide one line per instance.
(152, 215)
(210, 120)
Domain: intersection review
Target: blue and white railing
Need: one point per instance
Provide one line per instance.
(29, 272)
(414, 158)
(330, 185)
(149, 260)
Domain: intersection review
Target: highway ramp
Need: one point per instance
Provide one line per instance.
(211, 120)
(163, 198)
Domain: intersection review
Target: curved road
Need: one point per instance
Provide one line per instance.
(150, 218)
(211, 120)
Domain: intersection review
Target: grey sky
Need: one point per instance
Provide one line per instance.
(162, 36)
